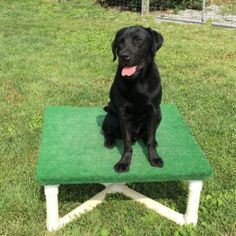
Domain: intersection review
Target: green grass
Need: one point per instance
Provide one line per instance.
(60, 54)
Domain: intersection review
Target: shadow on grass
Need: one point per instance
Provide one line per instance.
(75, 192)
(171, 193)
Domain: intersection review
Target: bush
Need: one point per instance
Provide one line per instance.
(131, 5)
(135, 5)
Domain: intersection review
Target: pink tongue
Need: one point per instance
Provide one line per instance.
(128, 71)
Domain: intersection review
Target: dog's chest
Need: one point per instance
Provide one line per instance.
(136, 113)
(138, 96)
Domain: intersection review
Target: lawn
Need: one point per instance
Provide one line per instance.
(60, 54)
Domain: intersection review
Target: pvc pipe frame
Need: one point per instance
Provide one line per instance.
(218, 24)
(54, 222)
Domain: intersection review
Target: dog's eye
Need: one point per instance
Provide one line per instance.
(121, 41)
(136, 39)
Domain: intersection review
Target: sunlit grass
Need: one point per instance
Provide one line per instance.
(61, 54)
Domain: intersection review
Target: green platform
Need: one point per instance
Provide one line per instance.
(72, 150)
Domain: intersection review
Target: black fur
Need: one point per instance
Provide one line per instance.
(134, 108)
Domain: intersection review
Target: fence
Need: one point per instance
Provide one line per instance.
(199, 11)
(225, 15)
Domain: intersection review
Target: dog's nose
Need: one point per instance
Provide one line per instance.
(125, 56)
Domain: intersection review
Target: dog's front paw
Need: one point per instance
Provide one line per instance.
(156, 162)
(121, 167)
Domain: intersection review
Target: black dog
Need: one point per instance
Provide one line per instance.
(135, 96)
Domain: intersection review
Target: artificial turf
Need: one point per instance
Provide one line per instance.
(72, 150)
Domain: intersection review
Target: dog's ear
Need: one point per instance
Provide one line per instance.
(157, 40)
(114, 48)
(114, 44)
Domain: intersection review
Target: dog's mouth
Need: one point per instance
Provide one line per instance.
(129, 71)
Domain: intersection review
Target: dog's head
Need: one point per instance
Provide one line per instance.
(135, 46)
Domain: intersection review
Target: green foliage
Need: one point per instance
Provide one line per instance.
(176, 4)
(60, 54)
(132, 5)
(135, 5)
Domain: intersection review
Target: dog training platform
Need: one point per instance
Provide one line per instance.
(72, 152)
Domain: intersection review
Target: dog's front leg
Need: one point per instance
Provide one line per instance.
(126, 130)
(153, 122)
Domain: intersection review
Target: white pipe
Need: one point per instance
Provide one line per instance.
(54, 222)
(225, 25)
(203, 10)
(116, 188)
(145, 7)
(85, 207)
(191, 215)
(170, 19)
(154, 205)
(51, 193)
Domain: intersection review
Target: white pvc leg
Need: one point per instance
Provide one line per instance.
(55, 223)
(154, 205)
(51, 193)
(84, 207)
(191, 215)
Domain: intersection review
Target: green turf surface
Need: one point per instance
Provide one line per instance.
(72, 150)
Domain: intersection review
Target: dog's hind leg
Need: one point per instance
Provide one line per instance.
(111, 130)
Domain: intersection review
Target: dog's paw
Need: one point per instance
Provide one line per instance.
(121, 167)
(109, 142)
(156, 162)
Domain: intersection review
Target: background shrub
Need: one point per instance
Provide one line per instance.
(135, 5)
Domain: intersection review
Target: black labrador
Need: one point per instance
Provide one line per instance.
(135, 96)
